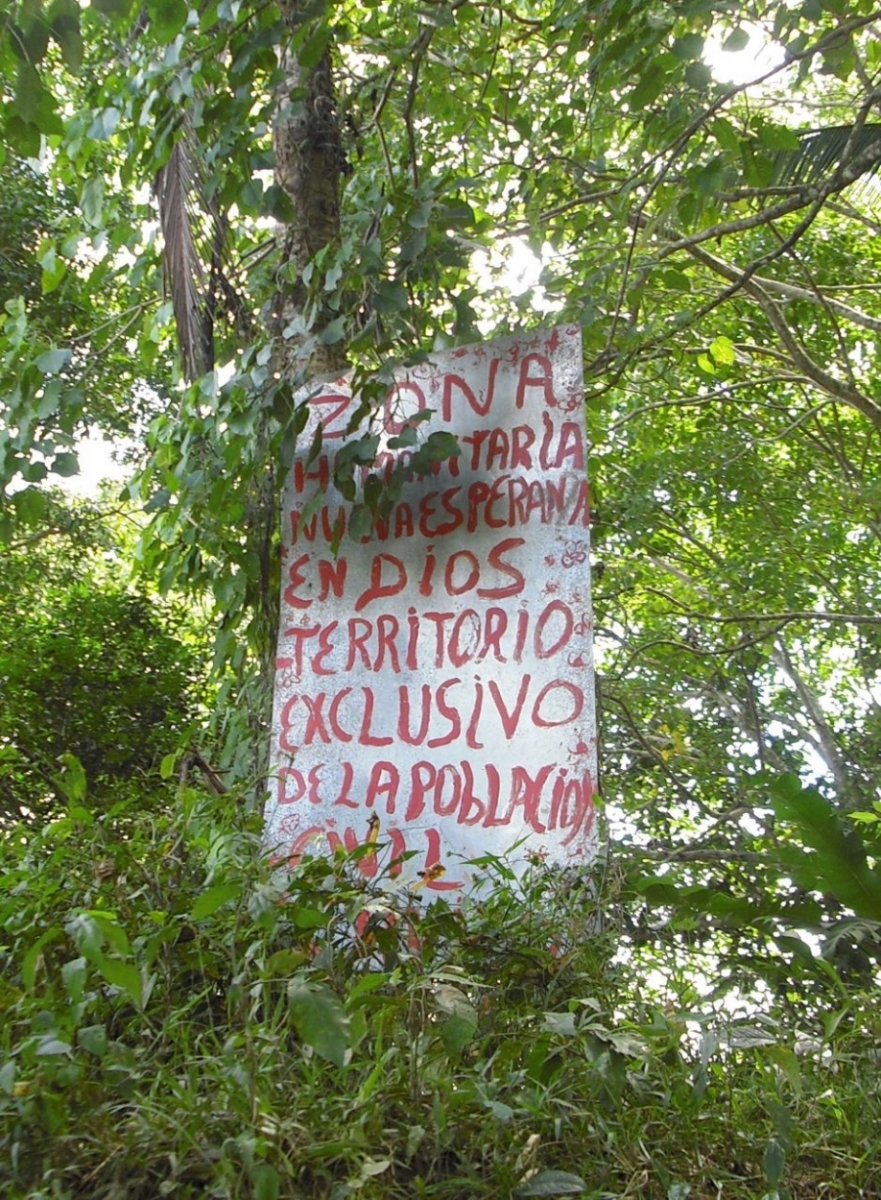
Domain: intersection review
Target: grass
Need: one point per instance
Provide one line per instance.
(178, 1019)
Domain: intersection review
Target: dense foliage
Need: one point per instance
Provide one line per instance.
(99, 682)
(202, 205)
(178, 1020)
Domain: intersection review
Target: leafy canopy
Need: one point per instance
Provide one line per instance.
(717, 241)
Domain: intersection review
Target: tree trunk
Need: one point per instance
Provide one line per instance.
(308, 163)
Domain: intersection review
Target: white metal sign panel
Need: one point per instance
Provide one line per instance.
(437, 673)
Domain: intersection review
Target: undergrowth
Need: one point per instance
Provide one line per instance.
(180, 1018)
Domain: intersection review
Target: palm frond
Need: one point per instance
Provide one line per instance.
(198, 276)
(823, 151)
(185, 272)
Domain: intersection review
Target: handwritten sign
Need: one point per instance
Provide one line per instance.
(436, 675)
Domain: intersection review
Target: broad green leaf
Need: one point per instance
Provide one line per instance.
(65, 25)
(51, 1046)
(74, 974)
(94, 1039)
(722, 350)
(30, 505)
(72, 780)
(125, 976)
(50, 362)
(314, 47)
(689, 46)
(838, 860)
(167, 18)
(283, 963)
(319, 1019)
(738, 39)
(552, 1183)
(266, 1182)
(22, 136)
(442, 445)
(773, 1162)
(647, 90)
(31, 960)
(333, 332)
(65, 464)
(787, 1061)
(725, 134)
(214, 898)
(390, 297)
(92, 201)
(458, 1030)
(778, 137)
(698, 75)
(87, 935)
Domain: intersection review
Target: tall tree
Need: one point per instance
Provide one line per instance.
(293, 184)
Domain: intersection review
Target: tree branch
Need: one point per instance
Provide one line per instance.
(747, 282)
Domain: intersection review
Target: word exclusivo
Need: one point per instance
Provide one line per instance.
(350, 715)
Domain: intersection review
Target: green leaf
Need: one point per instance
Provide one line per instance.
(319, 1019)
(725, 134)
(552, 1183)
(74, 974)
(54, 270)
(31, 959)
(50, 362)
(283, 963)
(647, 90)
(266, 1182)
(698, 75)
(408, 436)
(92, 201)
(738, 39)
(787, 1061)
(773, 1162)
(306, 917)
(458, 1030)
(390, 297)
(123, 975)
(214, 898)
(7, 1077)
(113, 8)
(311, 52)
(64, 22)
(689, 46)
(838, 862)
(722, 350)
(333, 332)
(65, 465)
(50, 1046)
(30, 37)
(72, 780)
(30, 505)
(87, 934)
(167, 18)
(94, 1039)
(440, 446)
(778, 137)
(22, 136)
